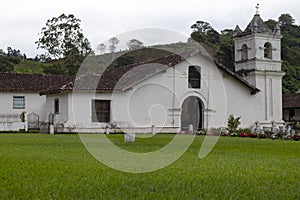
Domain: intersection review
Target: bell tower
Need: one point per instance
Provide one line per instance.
(258, 60)
(257, 47)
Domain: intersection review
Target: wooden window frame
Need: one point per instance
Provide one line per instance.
(56, 106)
(101, 110)
(194, 77)
(20, 104)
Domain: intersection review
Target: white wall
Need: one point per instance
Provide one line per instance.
(152, 102)
(33, 103)
(265, 106)
(62, 116)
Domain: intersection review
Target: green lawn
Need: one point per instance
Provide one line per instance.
(37, 166)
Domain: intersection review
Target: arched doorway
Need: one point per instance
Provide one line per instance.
(192, 113)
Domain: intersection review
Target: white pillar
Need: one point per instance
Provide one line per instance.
(51, 129)
(191, 128)
(153, 129)
(25, 122)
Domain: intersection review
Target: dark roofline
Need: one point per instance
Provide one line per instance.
(31, 83)
(291, 101)
(160, 60)
(253, 89)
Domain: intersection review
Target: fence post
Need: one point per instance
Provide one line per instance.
(51, 123)
(25, 123)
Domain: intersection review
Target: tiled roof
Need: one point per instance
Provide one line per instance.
(31, 82)
(122, 78)
(119, 78)
(291, 101)
(256, 25)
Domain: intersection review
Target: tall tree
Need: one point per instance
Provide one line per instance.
(63, 37)
(134, 44)
(201, 27)
(101, 47)
(203, 32)
(113, 44)
(286, 19)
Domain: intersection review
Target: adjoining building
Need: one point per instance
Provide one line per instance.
(291, 107)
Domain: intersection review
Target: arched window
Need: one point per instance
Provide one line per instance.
(244, 52)
(194, 77)
(268, 50)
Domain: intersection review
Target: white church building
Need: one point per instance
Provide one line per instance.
(173, 92)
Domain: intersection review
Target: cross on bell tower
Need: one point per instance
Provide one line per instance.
(257, 47)
(257, 9)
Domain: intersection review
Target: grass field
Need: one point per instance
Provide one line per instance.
(36, 166)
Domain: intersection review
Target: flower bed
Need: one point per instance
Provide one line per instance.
(296, 137)
(243, 134)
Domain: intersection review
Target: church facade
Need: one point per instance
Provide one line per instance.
(172, 93)
(168, 94)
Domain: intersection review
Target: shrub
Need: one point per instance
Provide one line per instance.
(232, 124)
(244, 130)
(252, 135)
(262, 135)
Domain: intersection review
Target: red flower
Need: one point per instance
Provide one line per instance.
(243, 134)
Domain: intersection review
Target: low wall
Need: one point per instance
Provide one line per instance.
(11, 126)
(11, 122)
(117, 130)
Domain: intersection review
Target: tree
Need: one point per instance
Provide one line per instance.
(7, 63)
(232, 124)
(203, 32)
(113, 44)
(225, 54)
(62, 37)
(286, 20)
(213, 36)
(54, 69)
(134, 44)
(201, 26)
(10, 51)
(271, 23)
(101, 47)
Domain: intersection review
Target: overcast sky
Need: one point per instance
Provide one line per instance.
(22, 20)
